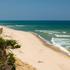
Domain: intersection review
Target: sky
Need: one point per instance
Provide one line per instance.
(34, 9)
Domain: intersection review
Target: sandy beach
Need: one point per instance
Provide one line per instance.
(35, 53)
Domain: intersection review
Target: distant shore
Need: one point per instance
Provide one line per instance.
(35, 52)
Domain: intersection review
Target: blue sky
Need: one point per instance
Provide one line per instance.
(34, 9)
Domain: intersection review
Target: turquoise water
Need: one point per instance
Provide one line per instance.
(55, 32)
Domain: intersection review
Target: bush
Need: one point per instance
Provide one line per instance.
(17, 46)
(2, 43)
(1, 30)
(13, 67)
(11, 42)
(11, 59)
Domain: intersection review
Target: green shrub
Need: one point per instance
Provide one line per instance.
(11, 42)
(11, 59)
(13, 67)
(1, 30)
(17, 46)
(2, 43)
(1, 63)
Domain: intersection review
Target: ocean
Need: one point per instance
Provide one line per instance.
(54, 32)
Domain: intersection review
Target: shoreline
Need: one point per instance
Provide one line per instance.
(54, 46)
(34, 52)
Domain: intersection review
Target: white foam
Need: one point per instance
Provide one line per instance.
(55, 44)
(62, 41)
(60, 47)
(64, 32)
(47, 31)
(62, 35)
(68, 46)
(20, 25)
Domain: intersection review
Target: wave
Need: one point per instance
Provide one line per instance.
(64, 32)
(20, 25)
(15, 25)
(62, 41)
(62, 35)
(60, 46)
(47, 31)
(55, 44)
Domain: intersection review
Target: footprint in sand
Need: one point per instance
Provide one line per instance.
(40, 61)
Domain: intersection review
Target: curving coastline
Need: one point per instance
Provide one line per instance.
(53, 46)
(35, 52)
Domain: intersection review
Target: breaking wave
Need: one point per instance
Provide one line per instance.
(62, 35)
(58, 44)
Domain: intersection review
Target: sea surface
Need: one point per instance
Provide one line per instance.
(55, 32)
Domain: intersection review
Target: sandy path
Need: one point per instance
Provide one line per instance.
(36, 54)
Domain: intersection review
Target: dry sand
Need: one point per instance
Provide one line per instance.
(23, 66)
(35, 53)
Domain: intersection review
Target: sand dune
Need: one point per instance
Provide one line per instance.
(35, 53)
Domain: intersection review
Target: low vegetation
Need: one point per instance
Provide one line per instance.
(12, 44)
(7, 61)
